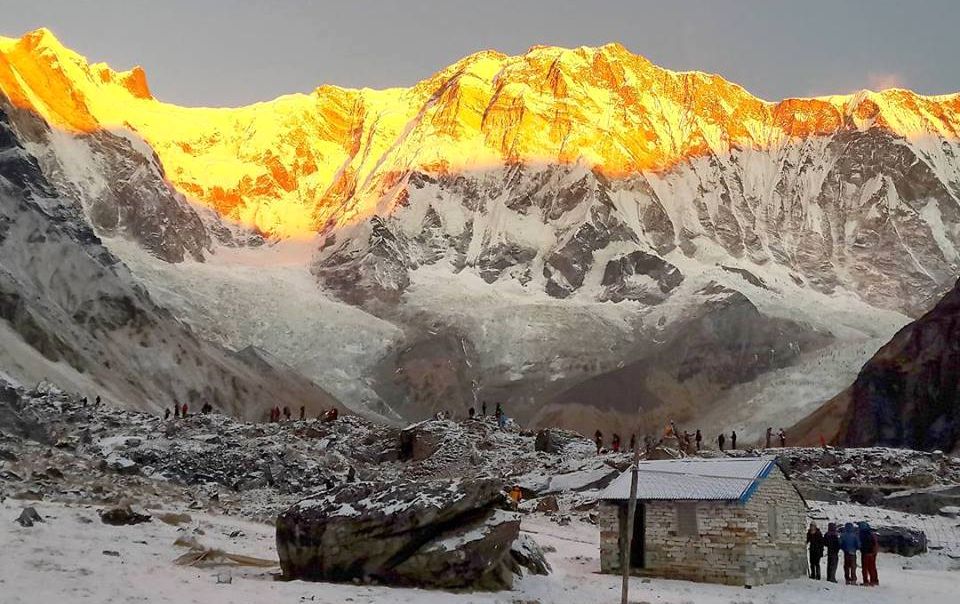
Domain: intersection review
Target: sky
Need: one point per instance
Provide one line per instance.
(233, 52)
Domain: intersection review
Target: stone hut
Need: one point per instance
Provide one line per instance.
(737, 521)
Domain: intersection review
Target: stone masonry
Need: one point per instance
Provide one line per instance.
(762, 541)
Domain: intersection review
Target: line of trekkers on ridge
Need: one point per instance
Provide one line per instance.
(275, 413)
(686, 442)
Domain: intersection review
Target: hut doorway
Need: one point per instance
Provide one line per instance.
(637, 540)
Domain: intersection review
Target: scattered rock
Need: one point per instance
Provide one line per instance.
(553, 440)
(174, 518)
(528, 554)
(28, 516)
(548, 504)
(122, 515)
(110, 552)
(923, 501)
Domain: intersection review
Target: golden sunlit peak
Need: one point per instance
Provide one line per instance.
(293, 164)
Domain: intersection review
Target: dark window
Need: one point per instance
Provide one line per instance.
(687, 520)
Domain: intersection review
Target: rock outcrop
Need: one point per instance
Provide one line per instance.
(908, 395)
(451, 534)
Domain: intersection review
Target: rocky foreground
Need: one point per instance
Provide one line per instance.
(433, 494)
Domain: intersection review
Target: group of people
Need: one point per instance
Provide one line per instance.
(498, 414)
(182, 411)
(276, 414)
(781, 436)
(852, 539)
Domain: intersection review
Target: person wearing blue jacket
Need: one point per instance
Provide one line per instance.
(850, 544)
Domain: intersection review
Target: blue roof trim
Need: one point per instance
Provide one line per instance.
(748, 493)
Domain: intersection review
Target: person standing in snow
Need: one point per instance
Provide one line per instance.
(699, 438)
(832, 541)
(815, 543)
(868, 554)
(96, 401)
(483, 409)
(176, 410)
(303, 412)
(166, 414)
(286, 413)
(721, 440)
(733, 440)
(183, 410)
(783, 438)
(598, 440)
(207, 408)
(471, 413)
(850, 543)
(615, 443)
(769, 436)
(633, 443)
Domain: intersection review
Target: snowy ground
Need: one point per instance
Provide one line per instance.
(63, 560)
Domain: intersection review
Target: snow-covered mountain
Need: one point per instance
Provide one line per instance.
(579, 233)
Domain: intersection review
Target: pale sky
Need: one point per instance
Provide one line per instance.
(232, 52)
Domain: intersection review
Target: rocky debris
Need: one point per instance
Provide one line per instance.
(879, 468)
(174, 518)
(528, 554)
(923, 501)
(950, 511)
(28, 516)
(547, 504)
(901, 540)
(442, 534)
(122, 515)
(554, 440)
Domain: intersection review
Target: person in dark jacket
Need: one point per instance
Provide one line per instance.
(721, 440)
(303, 412)
(850, 543)
(832, 541)
(598, 440)
(868, 554)
(769, 436)
(815, 542)
(698, 438)
(733, 440)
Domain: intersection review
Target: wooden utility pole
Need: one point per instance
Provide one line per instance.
(631, 512)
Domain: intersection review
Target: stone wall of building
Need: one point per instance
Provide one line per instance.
(733, 544)
(776, 557)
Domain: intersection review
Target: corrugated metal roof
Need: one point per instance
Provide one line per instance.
(720, 479)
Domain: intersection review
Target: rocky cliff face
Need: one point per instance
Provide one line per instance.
(907, 394)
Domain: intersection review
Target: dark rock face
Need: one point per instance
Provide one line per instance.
(621, 283)
(123, 515)
(141, 205)
(446, 534)
(908, 394)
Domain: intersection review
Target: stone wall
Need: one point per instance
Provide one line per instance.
(733, 545)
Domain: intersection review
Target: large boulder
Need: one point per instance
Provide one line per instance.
(901, 540)
(450, 534)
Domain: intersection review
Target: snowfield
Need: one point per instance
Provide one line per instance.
(64, 559)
